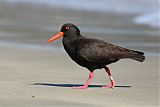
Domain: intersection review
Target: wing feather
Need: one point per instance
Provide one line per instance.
(98, 51)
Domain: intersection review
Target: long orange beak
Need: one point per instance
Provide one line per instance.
(60, 34)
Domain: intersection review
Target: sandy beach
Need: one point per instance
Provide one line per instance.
(38, 78)
(34, 73)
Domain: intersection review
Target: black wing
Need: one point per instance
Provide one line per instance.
(94, 50)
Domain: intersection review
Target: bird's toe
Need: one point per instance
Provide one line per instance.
(79, 87)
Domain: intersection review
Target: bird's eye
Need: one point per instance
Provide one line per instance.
(67, 27)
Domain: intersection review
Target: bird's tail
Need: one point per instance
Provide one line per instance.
(136, 55)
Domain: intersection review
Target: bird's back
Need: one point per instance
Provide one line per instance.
(96, 53)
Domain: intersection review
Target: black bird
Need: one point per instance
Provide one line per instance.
(93, 53)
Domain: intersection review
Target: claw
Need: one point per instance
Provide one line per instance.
(111, 85)
(80, 87)
(86, 84)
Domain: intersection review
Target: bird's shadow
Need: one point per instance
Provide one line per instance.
(72, 85)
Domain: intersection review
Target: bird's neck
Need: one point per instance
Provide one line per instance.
(70, 42)
(71, 37)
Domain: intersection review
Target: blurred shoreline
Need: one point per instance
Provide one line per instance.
(30, 25)
(4, 44)
(147, 10)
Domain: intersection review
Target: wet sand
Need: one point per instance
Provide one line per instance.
(41, 78)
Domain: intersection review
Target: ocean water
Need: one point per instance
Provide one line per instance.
(28, 28)
(148, 10)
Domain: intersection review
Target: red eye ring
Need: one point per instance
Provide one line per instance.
(67, 27)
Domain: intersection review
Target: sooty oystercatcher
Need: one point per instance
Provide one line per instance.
(93, 53)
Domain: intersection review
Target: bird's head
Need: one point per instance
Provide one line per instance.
(66, 30)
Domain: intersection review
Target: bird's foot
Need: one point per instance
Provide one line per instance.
(80, 87)
(111, 85)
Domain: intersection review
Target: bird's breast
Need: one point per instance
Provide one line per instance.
(70, 48)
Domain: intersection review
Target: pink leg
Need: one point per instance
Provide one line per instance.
(112, 84)
(87, 83)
